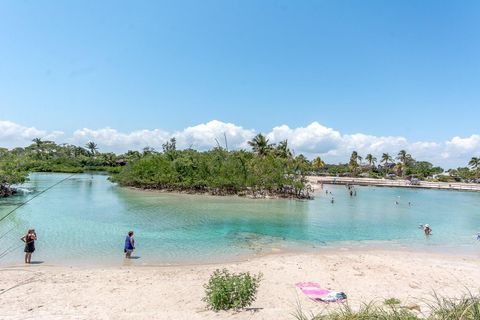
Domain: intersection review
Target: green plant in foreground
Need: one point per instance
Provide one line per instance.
(464, 308)
(369, 311)
(391, 302)
(225, 290)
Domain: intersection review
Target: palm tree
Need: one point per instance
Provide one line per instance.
(399, 167)
(404, 158)
(371, 159)
(353, 164)
(260, 145)
(474, 163)
(38, 146)
(92, 147)
(282, 150)
(38, 141)
(318, 163)
(386, 158)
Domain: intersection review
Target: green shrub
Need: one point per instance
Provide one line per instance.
(391, 301)
(226, 290)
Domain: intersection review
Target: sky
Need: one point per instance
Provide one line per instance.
(329, 76)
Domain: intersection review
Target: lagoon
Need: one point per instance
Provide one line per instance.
(84, 220)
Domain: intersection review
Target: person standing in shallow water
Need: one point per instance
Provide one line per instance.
(129, 245)
(29, 239)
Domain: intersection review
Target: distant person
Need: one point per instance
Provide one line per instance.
(396, 202)
(409, 204)
(351, 193)
(29, 239)
(420, 226)
(478, 236)
(355, 193)
(129, 245)
(332, 200)
(427, 229)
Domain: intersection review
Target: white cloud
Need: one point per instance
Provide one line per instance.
(205, 136)
(311, 140)
(13, 135)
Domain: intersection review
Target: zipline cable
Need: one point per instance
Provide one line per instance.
(13, 248)
(38, 194)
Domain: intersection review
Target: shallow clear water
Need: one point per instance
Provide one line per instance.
(85, 219)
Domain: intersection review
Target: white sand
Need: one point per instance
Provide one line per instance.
(175, 292)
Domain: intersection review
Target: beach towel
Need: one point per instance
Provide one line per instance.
(315, 292)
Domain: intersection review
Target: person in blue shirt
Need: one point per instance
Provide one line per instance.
(129, 245)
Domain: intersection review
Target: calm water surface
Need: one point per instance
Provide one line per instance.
(85, 219)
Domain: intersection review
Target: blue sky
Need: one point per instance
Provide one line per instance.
(385, 68)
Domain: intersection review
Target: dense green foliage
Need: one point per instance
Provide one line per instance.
(12, 171)
(225, 290)
(219, 172)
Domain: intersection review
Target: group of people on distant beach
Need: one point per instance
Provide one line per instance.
(31, 236)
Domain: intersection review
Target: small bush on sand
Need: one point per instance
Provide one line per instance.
(226, 290)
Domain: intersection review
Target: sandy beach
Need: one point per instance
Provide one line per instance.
(42, 291)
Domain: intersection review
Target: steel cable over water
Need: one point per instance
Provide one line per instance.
(13, 248)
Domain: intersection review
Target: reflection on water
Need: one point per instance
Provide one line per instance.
(85, 219)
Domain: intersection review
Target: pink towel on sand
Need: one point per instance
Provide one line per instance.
(317, 293)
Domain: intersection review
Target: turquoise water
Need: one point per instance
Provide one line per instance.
(85, 219)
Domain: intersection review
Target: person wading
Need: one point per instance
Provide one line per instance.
(29, 239)
(129, 245)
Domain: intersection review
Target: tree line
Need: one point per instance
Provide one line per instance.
(266, 169)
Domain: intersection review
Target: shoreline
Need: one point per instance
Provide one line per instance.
(175, 292)
(346, 247)
(400, 183)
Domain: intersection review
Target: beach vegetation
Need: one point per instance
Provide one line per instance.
(225, 290)
(219, 172)
(466, 307)
(12, 171)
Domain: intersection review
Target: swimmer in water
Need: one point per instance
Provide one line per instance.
(396, 202)
(332, 200)
(427, 229)
(478, 236)
(420, 226)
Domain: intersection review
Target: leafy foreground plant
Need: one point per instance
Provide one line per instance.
(225, 290)
(369, 311)
(465, 308)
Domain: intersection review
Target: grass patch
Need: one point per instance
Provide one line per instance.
(440, 308)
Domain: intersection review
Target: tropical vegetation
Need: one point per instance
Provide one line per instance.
(267, 170)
